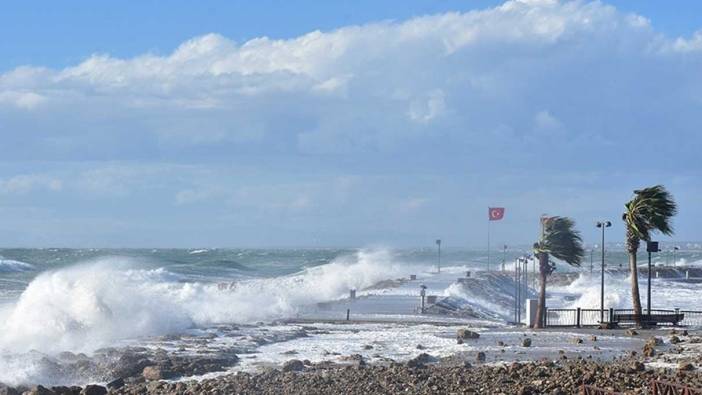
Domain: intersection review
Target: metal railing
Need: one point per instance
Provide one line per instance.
(659, 387)
(593, 317)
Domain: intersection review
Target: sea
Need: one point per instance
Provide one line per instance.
(257, 301)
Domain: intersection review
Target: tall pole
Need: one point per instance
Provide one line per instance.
(603, 225)
(602, 280)
(438, 244)
(504, 256)
(488, 262)
(592, 251)
(651, 246)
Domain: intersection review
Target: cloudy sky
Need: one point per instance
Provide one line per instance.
(340, 124)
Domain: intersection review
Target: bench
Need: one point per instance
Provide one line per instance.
(650, 319)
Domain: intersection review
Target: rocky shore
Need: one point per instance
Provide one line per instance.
(669, 356)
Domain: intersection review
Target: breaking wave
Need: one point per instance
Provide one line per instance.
(84, 307)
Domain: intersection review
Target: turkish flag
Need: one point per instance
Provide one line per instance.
(496, 213)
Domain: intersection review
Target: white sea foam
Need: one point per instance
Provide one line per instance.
(84, 307)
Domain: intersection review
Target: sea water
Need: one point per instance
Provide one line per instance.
(81, 300)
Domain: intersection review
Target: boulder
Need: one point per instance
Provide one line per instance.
(685, 366)
(636, 367)
(93, 390)
(480, 356)
(526, 342)
(156, 372)
(420, 360)
(631, 332)
(577, 340)
(467, 334)
(675, 340)
(5, 390)
(39, 390)
(293, 365)
(115, 384)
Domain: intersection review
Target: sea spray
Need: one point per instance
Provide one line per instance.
(84, 307)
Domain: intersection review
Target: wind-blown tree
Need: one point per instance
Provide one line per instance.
(650, 210)
(560, 240)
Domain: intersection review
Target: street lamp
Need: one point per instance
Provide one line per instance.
(438, 245)
(651, 246)
(602, 225)
(423, 294)
(675, 249)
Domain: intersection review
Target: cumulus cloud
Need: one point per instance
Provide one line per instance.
(527, 87)
(25, 183)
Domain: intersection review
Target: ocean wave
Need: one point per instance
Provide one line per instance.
(11, 265)
(84, 307)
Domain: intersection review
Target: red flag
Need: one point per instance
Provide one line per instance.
(496, 213)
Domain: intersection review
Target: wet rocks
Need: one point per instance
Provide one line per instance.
(675, 340)
(293, 365)
(93, 390)
(156, 372)
(420, 360)
(577, 340)
(114, 384)
(526, 342)
(631, 332)
(685, 366)
(480, 357)
(466, 334)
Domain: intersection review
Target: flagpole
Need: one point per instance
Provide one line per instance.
(488, 262)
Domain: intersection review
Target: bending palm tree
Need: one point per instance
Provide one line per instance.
(649, 210)
(560, 240)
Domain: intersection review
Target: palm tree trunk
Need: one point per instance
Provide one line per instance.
(635, 296)
(543, 275)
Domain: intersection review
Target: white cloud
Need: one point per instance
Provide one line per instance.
(25, 183)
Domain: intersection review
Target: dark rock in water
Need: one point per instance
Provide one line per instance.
(420, 360)
(93, 390)
(467, 334)
(675, 340)
(480, 356)
(631, 332)
(686, 366)
(526, 342)
(577, 340)
(61, 390)
(459, 341)
(39, 390)
(500, 343)
(5, 390)
(420, 347)
(156, 372)
(367, 347)
(293, 365)
(637, 366)
(117, 383)
(593, 338)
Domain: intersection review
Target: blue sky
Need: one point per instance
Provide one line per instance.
(340, 123)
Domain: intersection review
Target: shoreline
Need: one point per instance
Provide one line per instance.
(676, 356)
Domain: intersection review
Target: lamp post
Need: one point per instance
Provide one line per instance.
(651, 246)
(438, 245)
(504, 256)
(602, 225)
(423, 294)
(675, 249)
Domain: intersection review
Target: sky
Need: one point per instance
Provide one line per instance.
(313, 124)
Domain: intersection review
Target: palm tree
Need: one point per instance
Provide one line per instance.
(560, 240)
(650, 210)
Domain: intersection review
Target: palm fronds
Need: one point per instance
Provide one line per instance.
(651, 209)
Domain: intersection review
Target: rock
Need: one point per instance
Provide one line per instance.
(367, 347)
(5, 390)
(685, 366)
(39, 390)
(637, 366)
(293, 365)
(93, 390)
(420, 360)
(354, 359)
(593, 338)
(577, 340)
(631, 332)
(115, 384)
(467, 334)
(675, 340)
(420, 347)
(526, 342)
(649, 350)
(500, 343)
(156, 372)
(480, 356)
